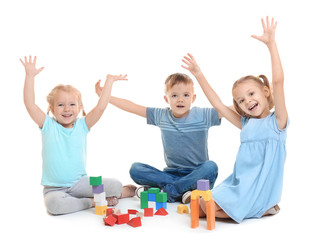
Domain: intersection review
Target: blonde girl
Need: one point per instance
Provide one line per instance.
(254, 188)
(66, 185)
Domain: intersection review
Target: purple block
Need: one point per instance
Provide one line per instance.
(98, 188)
(203, 185)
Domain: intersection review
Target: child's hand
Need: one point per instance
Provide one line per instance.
(30, 66)
(192, 65)
(269, 31)
(98, 88)
(116, 77)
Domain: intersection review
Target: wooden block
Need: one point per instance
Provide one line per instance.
(135, 222)
(148, 212)
(95, 181)
(100, 210)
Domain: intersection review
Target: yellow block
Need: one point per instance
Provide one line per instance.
(181, 208)
(100, 210)
(206, 195)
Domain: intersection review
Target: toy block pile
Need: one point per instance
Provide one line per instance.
(99, 195)
(203, 190)
(153, 195)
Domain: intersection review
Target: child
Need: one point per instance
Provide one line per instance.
(256, 182)
(66, 186)
(184, 135)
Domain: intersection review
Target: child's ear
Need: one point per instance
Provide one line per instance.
(166, 99)
(194, 98)
(266, 91)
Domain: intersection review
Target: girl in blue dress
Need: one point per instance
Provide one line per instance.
(254, 188)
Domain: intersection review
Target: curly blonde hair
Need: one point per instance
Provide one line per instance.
(262, 81)
(65, 88)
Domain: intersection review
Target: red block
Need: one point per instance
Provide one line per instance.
(121, 218)
(109, 211)
(132, 211)
(135, 222)
(148, 212)
(161, 212)
(110, 220)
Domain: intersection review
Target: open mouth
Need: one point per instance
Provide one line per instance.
(67, 115)
(180, 106)
(253, 107)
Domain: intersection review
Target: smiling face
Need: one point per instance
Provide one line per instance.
(66, 108)
(180, 97)
(252, 99)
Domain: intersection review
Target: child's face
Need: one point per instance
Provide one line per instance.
(66, 108)
(252, 99)
(180, 97)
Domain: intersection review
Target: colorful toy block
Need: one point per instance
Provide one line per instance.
(152, 197)
(110, 220)
(99, 197)
(121, 218)
(98, 188)
(161, 212)
(109, 211)
(95, 181)
(140, 214)
(132, 211)
(135, 222)
(181, 208)
(154, 190)
(144, 199)
(100, 210)
(159, 205)
(161, 197)
(148, 212)
(194, 207)
(203, 185)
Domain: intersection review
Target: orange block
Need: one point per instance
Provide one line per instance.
(100, 210)
(210, 214)
(194, 213)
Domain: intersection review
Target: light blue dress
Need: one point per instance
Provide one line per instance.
(256, 182)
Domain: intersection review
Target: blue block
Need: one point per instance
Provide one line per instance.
(98, 188)
(159, 205)
(152, 197)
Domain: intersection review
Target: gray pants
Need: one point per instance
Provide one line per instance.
(63, 200)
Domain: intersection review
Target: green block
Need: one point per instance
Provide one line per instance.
(144, 199)
(95, 181)
(154, 190)
(161, 197)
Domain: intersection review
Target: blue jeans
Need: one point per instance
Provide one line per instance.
(174, 181)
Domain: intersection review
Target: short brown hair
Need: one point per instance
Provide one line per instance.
(262, 80)
(177, 78)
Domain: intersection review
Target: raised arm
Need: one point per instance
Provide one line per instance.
(268, 37)
(95, 114)
(31, 71)
(212, 96)
(124, 104)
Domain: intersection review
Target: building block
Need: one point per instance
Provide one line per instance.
(121, 218)
(99, 197)
(182, 208)
(206, 195)
(161, 212)
(95, 181)
(109, 211)
(100, 210)
(135, 222)
(154, 190)
(144, 199)
(161, 197)
(152, 197)
(210, 209)
(101, 203)
(116, 211)
(110, 220)
(159, 205)
(203, 185)
(148, 212)
(140, 214)
(132, 211)
(98, 188)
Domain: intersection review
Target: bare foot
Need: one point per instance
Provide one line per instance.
(112, 201)
(128, 191)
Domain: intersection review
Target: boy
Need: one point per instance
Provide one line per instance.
(184, 133)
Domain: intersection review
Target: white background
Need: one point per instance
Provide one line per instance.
(79, 42)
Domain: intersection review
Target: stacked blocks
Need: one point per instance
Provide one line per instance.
(99, 195)
(153, 195)
(204, 192)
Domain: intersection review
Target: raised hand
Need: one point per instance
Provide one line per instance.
(268, 35)
(116, 77)
(30, 66)
(191, 63)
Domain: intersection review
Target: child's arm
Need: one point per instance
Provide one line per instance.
(95, 114)
(268, 38)
(124, 104)
(29, 94)
(212, 96)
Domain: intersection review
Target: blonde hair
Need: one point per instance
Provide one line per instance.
(177, 78)
(65, 88)
(262, 81)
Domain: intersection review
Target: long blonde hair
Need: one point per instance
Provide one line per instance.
(262, 80)
(65, 88)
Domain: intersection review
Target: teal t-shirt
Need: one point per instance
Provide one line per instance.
(63, 153)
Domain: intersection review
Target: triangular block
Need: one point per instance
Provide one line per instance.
(161, 212)
(135, 222)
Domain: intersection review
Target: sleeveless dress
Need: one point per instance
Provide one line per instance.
(256, 182)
